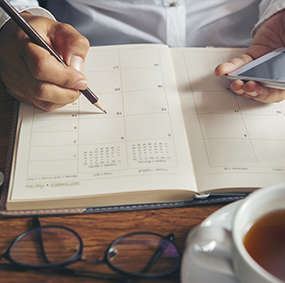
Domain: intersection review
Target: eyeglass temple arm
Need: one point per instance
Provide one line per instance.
(157, 254)
(37, 224)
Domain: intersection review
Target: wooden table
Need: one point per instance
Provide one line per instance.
(96, 230)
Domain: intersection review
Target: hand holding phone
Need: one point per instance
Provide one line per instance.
(268, 70)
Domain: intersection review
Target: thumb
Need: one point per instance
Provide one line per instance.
(71, 45)
(76, 62)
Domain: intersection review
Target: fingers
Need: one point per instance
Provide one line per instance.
(227, 67)
(255, 91)
(249, 89)
(45, 68)
(71, 45)
(23, 86)
(33, 75)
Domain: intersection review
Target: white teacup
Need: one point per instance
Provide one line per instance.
(226, 249)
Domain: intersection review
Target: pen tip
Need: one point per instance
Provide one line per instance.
(105, 111)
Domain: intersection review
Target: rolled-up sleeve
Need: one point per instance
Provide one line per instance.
(268, 9)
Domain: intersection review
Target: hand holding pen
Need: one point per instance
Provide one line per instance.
(32, 74)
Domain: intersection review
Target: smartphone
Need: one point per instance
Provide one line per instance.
(268, 70)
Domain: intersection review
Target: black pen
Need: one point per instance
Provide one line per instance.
(37, 39)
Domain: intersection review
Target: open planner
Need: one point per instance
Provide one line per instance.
(172, 130)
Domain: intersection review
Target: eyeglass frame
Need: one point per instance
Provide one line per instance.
(79, 253)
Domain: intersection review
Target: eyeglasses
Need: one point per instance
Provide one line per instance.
(141, 254)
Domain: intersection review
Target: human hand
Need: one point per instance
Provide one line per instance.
(269, 37)
(31, 74)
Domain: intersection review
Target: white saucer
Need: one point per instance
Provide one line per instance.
(223, 216)
(197, 273)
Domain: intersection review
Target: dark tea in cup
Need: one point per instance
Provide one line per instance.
(265, 242)
(251, 249)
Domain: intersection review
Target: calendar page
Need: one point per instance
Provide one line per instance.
(235, 142)
(139, 145)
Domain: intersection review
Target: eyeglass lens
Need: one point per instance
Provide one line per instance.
(144, 254)
(45, 247)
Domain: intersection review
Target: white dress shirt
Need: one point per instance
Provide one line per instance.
(175, 23)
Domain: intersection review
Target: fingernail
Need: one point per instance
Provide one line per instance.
(253, 93)
(77, 63)
(240, 92)
(81, 85)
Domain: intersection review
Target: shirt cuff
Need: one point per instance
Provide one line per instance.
(274, 7)
(37, 11)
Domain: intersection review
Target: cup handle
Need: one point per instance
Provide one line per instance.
(211, 248)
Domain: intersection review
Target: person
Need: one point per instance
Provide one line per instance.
(32, 75)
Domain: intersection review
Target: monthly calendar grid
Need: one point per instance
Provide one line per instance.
(240, 126)
(134, 96)
(247, 131)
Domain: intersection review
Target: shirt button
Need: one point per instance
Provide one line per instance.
(173, 4)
